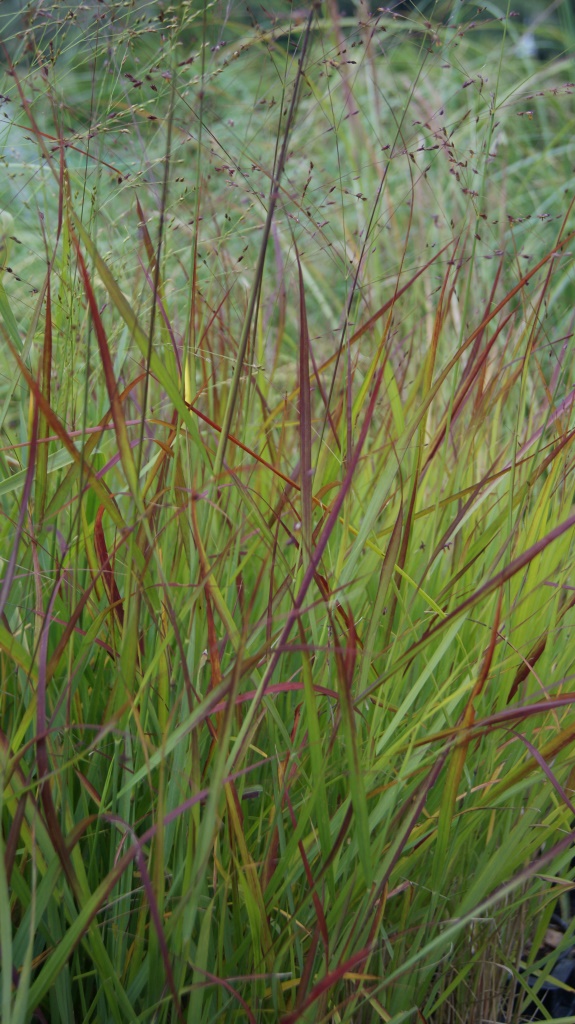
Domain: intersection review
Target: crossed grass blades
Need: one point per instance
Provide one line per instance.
(287, 508)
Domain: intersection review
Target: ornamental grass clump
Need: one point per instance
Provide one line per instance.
(286, 599)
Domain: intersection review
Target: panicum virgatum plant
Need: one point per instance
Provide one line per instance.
(287, 590)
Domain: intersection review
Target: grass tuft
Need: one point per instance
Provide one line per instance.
(286, 315)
